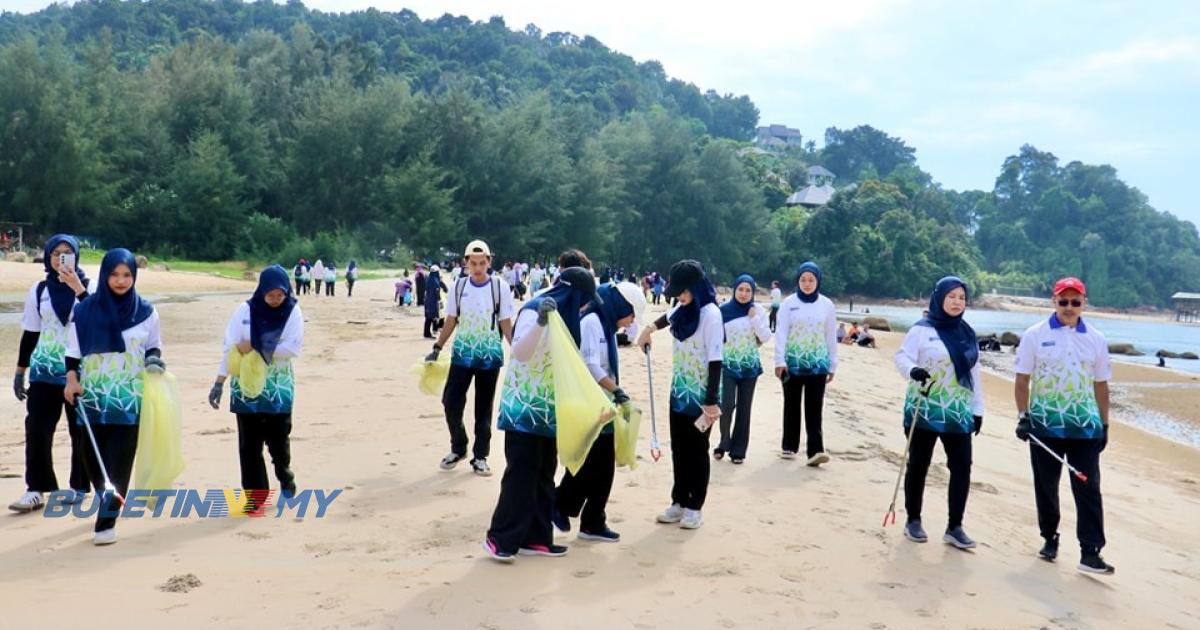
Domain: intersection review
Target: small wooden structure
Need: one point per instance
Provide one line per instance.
(12, 236)
(1187, 307)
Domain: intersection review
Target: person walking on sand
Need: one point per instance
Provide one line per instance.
(521, 522)
(479, 308)
(805, 361)
(944, 401)
(330, 278)
(318, 272)
(699, 340)
(49, 309)
(776, 301)
(271, 324)
(419, 277)
(112, 340)
(433, 297)
(351, 277)
(745, 330)
(1062, 398)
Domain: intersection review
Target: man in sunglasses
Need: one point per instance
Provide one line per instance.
(1062, 396)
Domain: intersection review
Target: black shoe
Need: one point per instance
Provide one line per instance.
(1050, 550)
(1093, 563)
(560, 520)
(602, 535)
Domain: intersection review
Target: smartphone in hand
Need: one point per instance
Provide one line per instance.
(66, 262)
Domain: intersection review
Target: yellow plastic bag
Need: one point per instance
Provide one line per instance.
(433, 375)
(250, 370)
(580, 407)
(626, 428)
(159, 451)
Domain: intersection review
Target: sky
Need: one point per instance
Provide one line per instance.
(965, 83)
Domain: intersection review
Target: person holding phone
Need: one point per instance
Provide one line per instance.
(49, 308)
(113, 338)
(699, 331)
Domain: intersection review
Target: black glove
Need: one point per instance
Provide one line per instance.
(155, 364)
(919, 374)
(978, 424)
(619, 396)
(1023, 427)
(214, 395)
(433, 356)
(19, 386)
(1104, 439)
(545, 307)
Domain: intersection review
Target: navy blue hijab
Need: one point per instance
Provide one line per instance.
(955, 332)
(104, 315)
(266, 323)
(733, 309)
(614, 309)
(62, 296)
(686, 319)
(569, 299)
(812, 267)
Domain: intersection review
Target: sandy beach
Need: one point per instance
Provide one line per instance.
(783, 545)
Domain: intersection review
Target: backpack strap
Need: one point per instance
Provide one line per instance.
(460, 286)
(37, 305)
(495, 303)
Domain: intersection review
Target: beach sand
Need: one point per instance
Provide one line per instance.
(783, 545)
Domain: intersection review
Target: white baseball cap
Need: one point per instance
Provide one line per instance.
(633, 294)
(478, 247)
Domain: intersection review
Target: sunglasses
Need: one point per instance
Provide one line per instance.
(1075, 303)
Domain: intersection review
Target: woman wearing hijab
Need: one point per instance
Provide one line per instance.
(746, 329)
(318, 273)
(805, 361)
(521, 522)
(48, 311)
(351, 276)
(586, 494)
(940, 356)
(113, 338)
(271, 324)
(330, 278)
(696, 327)
(433, 300)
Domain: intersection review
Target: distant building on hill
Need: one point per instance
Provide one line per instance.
(819, 190)
(778, 137)
(1187, 307)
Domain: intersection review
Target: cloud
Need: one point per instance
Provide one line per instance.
(1136, 60)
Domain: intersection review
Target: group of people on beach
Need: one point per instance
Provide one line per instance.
(86, 345)
(305, 274)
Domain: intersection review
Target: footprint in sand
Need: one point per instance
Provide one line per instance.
(984, 487)
(583, 573)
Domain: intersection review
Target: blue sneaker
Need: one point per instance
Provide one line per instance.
(602, 535)
(914, 532)
(958, 538)
(560, 520)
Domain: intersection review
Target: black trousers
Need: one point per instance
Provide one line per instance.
(588, 492)
(1089, 507)
(272, 429)
(349, 287)
(318, 286)
(118, 447)
(329, 288)
(689, 458)
(958, 458)
(429, 321)
(44, 406)
(812, 389)
(454, 400)
(737, 395)
(522, 514)
(774, 315)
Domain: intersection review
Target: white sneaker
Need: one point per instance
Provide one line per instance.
(28, 502)
(691, 519)
(673, 514)
(818, 459)
(787, 455)
(105, 537)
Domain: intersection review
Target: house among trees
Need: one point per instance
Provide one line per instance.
(819, 191)
(1187, 307)
(778, 137)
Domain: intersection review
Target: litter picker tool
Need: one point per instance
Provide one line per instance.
(108, 484)
(655, 448)
(890, 517)
(1062, 458)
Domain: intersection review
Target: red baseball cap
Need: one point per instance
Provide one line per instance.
(1070, 284)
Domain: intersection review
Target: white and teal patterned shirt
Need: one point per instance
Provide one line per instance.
(112, 381)
(949, 407)
(527, 398)
(1064, 364)
(477, 339)
(743, 336)
(47, 364)
(690, 359)
(279, 394)
(806, 336)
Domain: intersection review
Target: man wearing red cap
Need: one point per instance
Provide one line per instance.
(1062, 396)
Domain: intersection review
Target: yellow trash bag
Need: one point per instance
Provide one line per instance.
(580, 407)
(250, 370)
(159, 452)
(433, 374)
(626, 430)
